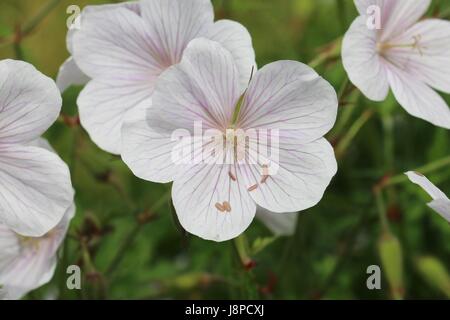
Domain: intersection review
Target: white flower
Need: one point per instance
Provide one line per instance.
(35, 187)
(283, 224)
(26, 263)
(440, 203)
(218, 201)
(407, 55)
(124, 49)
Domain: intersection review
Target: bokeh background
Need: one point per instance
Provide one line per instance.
(126, 237)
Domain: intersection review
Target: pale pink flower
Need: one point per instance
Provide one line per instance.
(409, 56)
(27, 263)
(218, 201)
(440, 203)
(35, 186)
(124, 48)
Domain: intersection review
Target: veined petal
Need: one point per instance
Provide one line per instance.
(35, 189)
(115, 43)
(29, 102)
(103, 104)
(235, 38)
(362, 61)
(28, 263)
(211, 204)
(418, 99)
(172, 24)
(396, 15)
(146, 151)
(423, 53)
(281, 224)
(303, 173)
(203, 87)
(69, 74)
(288, 95)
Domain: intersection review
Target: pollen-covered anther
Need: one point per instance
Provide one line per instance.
(252, 188)
(220, 207)
(232, 176)
(265, 174)
(227, 206)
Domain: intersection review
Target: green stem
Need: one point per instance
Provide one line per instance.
(381, 207)
(352, 132)
(41, 15)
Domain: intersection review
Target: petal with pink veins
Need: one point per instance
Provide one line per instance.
(29, 102)
(364, 66)
(418, 99)
(288, 95)
(212, 205)
(36, 189)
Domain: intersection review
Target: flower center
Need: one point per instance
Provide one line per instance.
(415, 44)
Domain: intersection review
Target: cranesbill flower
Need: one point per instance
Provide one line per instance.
(409, 56)
(26, 263)
(35, 187)
(440, 203)
(285, 101)
(124, 49)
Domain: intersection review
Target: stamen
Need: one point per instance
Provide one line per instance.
(232, 176)
(252, 188)
(227, 206)
(220, 207)
(265, 175)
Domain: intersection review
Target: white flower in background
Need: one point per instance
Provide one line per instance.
(35, 186)
(440, 203)
(124, 48)
(280, 224)
(407, 55)
(27, 263)
(218, 201)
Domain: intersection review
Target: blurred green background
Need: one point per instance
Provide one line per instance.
(126, 237)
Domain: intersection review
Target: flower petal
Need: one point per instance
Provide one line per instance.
(172, 24)
(115, 44)
(26, 264)
(235, 38)
(198, 197)
(304, 172)
(441, 206)
(69, 74)
(396, 15)
(203, 87)
(426, 185)
(103, 104)
(362, 62)
(281, 224)
(35, 189)
(289, 95)
(147, 152)
(29, 102)
(428, 58)
(418, 99)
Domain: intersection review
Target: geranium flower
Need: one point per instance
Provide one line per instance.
(440, 203)
(124, 49)
(407, 55)
(27, 263)
(215, 200)
(35, 187)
